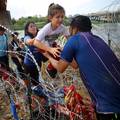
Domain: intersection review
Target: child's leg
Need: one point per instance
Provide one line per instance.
(33, 74)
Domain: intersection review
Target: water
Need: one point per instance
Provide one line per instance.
(113, 29)
(109, 31)
(106, 31)
(101, 30)
(21, 33)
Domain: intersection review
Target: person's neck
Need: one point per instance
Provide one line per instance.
(54, 27)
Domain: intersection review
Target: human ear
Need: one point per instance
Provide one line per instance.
(74, 31)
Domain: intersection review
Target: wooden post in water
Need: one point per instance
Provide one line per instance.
(109, 41)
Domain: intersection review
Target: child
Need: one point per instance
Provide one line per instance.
(98, 65)
(50, 32)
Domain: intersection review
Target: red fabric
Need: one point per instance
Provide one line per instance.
(50, 67)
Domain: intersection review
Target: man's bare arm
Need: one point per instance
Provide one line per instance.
(74, 64)
(61, 65)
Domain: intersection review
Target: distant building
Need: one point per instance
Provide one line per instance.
(106, 16)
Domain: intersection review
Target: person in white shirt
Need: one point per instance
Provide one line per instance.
(47, 36)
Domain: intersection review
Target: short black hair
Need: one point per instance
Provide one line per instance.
(14, 34)
(2, 28)
(81, 22)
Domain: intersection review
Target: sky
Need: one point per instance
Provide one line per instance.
(24, 8)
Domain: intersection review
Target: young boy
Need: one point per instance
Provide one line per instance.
(49, 34)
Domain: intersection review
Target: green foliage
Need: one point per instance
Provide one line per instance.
(66, 22)
(13, 21)
(40, 21)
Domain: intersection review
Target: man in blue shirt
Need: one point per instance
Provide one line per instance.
(99, 67)
(3, 48)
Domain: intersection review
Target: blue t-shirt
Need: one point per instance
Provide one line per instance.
(3, 45)
(99, 68)
(35, 53)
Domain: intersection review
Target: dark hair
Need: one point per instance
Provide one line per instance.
(14, 34)
(82, 23)
(26, 29)
(2, 29)
(54, 8)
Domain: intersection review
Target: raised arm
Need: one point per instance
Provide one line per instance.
(54, 51)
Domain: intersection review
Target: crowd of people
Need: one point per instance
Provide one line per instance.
(99, 67)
